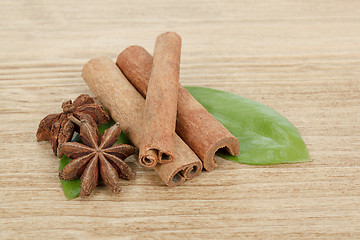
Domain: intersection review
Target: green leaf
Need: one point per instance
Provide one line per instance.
(265, 136)
(72, 188)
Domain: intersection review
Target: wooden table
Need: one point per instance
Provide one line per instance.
(301, 58)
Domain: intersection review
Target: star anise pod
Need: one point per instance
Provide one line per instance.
(59, 129)
(96, 155)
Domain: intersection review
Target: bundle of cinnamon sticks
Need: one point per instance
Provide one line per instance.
(175, 134)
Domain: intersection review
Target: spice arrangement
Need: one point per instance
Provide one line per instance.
(175, 134)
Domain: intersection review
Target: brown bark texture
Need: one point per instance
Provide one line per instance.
(194, 124)
(126, 106)
(159, 118)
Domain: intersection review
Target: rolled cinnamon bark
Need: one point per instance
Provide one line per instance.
(194, 124)
(126, 106)
(159, 117)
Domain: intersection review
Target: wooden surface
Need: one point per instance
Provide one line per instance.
(301, 58)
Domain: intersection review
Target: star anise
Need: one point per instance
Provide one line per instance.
(96, 155)
(59, 129)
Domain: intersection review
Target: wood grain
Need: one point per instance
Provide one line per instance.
(301, 58)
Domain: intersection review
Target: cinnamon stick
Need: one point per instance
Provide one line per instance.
(126, 106)
(194, 124)
(159, 117)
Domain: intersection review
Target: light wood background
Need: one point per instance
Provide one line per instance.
(301, 58)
